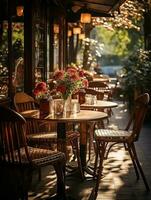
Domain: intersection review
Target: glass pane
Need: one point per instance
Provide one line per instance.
(18, 56)
(4, 79)
(56, 30)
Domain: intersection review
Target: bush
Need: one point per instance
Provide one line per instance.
(136, 76)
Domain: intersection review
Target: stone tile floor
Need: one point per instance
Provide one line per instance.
(119, 180)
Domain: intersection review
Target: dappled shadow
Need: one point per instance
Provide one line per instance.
(118, 180)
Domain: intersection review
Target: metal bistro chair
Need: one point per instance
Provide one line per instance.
(108, 138)
(44, 134)
(17, 160)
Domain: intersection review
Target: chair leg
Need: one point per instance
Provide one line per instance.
(91, 138)
(101, 151)
(60, 171)
(96, 160)
(39, 174)
(139, 167)
(133, 160)
(75, 145)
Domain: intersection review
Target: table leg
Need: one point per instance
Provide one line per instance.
(61, 134)
(83, 148)
(83, 142)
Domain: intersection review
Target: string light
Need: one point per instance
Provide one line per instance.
(20, 11)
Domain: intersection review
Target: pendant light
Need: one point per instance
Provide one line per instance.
(69, 33)
(81, 36)
(85, 18)
(20, 11)
(76, 30)
(56, 28)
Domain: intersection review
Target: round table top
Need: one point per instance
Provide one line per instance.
(83, 115)
(100, 104)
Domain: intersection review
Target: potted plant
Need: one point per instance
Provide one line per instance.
(136, 75)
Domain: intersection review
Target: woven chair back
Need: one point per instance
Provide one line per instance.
(12, 137)
(138, 115)
(23, 101)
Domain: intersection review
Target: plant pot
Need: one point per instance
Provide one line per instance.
(44, 106)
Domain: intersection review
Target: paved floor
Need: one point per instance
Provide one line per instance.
(119, 180)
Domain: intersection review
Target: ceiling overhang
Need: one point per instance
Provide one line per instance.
(97, 8)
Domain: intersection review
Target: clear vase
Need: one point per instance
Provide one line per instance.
(67, 105)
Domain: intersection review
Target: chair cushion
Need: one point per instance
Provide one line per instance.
(43, 137)
(51, 136)
(112, 135)
(39, 157)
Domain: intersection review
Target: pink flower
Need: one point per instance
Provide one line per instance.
(71, 71)
(58, 75)
(69, 81)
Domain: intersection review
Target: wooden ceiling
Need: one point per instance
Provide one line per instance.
(98, 8)
(94, 6)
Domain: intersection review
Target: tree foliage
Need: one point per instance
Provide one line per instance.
(136, 74)
(120, 42)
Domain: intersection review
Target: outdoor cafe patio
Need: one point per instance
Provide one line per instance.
(67, 132)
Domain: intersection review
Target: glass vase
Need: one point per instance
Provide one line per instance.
(68, 105)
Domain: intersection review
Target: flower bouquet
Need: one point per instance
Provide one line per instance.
(70, 81)
(41, 91)
(42, 95)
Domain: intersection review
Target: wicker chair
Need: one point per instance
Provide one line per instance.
(99, 95)
(106, 139)
(45, 135)
(17, 160)
(101, 86)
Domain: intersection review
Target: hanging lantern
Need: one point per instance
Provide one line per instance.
(81, 36)
(20, 11)
(85, 18)
(69, 33)
(76, 30)
(56, 28)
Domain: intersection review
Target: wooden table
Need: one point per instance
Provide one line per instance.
(82, 117)
(101, 79)
(99, 104)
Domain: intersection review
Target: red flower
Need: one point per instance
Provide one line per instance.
(41, 90)
(61, 88)
(42, 87)
(85, 83)
(69, 81)
(81, 73)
